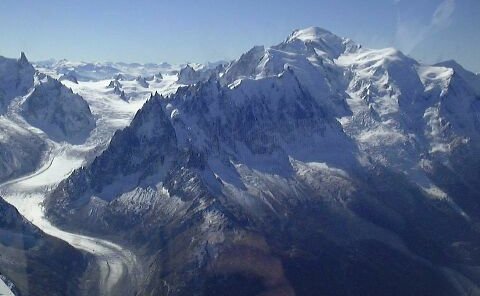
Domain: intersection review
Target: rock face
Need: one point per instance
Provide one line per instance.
(114, 84)
(314, 167)
(70, 76)
(60, 113)
(142, 81)
(44, 103)
(36, 263)
(188, 75)
(20, 149)
(16, 79)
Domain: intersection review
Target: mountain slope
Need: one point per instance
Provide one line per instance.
(36, 263)
(31, 100)
(16, 78)
(312, 167)
(21, 150)
(57, 111)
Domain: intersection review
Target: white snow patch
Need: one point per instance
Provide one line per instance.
(5, 289)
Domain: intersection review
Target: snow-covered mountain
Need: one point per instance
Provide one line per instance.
(31, 100)
(45, 134)
(142, 81)
(190, 75)
(16, 78)
(37, 263)
(57, 111)
(21, 150)
(313, 167)
(69, 76)
(86, 71)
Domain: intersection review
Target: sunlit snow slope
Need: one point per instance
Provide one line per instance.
(69, 145)
(309, 160)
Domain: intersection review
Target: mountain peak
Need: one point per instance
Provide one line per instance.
(470, 78)
(453, 64)
(314, 34)
(23, 59)
(321, 39)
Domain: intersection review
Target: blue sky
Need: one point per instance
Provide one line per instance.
(206, 30)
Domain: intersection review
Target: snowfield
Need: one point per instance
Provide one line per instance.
(4, 289)
(316, 128)
(314, 154)
(27, 193)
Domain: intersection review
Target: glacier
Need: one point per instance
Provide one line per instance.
(315, 166)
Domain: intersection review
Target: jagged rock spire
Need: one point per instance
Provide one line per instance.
(23, 59)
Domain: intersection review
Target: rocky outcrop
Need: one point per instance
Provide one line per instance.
(60, 113)
(314, 167)
(36, 263)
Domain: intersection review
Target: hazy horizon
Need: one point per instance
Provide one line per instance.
(190, 31)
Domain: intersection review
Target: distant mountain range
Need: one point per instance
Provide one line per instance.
(105, 70)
